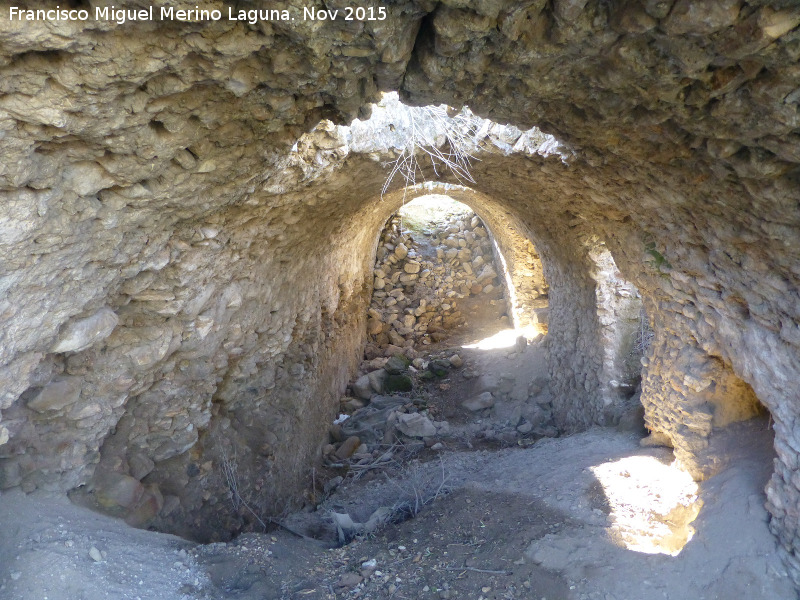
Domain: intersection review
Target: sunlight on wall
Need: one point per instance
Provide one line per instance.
(652, 504)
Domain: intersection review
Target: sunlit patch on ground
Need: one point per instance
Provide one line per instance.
(652, 504)
(505, 338)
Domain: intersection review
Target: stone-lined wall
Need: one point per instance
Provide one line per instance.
(421, 278)
(122, 144)
(619, 313)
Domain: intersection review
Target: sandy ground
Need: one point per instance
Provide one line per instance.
(45, 545)
(538, 522)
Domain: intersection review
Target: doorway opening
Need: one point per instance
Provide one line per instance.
(437, 270)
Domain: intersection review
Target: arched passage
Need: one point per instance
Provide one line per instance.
(178, 239)
(265, 303)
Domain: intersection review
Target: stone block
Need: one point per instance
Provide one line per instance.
(377, 380)
(415, 425)
(56, 395)
(479, 402)
(362, 387)
(114, 489)
(348, 448)
(83, 333)
(396, 365)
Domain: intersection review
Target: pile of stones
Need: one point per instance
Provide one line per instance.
(379, 418)
(415, 297)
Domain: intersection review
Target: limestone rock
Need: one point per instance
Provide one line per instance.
(411, 266)
(374, 326)
(415, 425)
(479, 402)
(525, 427)
(396, 365)
(81, 334)
(348, 447)
(56, 395)
(140, 465)
(114, 489)
(377, 380)
(362, 387)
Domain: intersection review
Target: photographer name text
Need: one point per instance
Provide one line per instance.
(120, 16)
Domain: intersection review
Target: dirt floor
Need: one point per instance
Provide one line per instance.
(493, 511)
(592, 516)
(536, 522)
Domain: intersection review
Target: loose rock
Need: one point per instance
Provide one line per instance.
(415, 425)
(479, 402)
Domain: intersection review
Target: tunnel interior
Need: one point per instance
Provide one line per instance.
(190, 231)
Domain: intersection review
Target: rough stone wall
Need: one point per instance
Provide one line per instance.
(684, 121)
(417, 289)
(151, 291)
(230, 325)
(527, 285)
(688, 394)
(512, 248)
(619, 313)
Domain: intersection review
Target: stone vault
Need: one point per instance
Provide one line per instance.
(177, 268)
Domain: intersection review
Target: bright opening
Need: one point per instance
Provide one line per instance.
(436, 270)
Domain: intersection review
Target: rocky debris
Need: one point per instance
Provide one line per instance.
(369, 421)
(95, 554)
(415, 425)
(416, 287)
(347, 528)
(479, 402)
(386, 420)
(508, 403)
(368, 567)
(348, 447)
(380, 425)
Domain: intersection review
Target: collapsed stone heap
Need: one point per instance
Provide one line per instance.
(417, 286)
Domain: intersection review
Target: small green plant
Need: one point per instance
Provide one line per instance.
(658, 259)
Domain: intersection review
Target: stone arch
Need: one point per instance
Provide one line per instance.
(514, 243)
(113, 211)
(582, 351)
